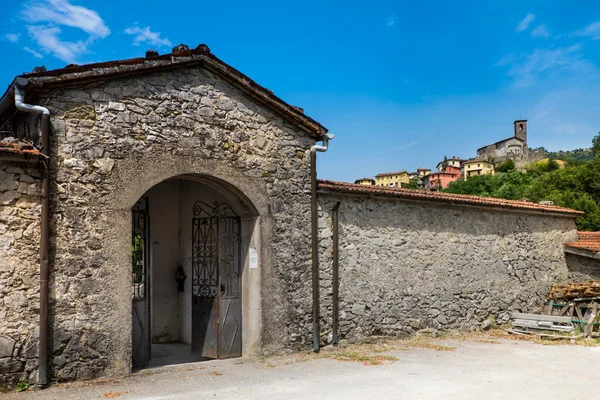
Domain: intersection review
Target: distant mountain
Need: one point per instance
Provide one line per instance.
(576, 156)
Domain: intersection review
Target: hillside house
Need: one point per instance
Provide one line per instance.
(478, 167)
(392, 179)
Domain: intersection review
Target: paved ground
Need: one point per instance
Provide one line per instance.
(477, 369)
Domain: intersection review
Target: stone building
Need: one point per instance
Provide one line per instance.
(583, 257)
(187, 162)
(507, 148)
(167, 200)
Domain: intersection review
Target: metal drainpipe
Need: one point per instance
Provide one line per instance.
(314, 235)
(45, 225)
(335, 274)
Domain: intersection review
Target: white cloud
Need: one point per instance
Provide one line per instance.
(33, 52)
(12, 37)
(524, 24)
(527, 68)
(592, 31)
(44, 19)
(406, 146)
(391, 21)
(145, 35)
(61, 12)
(47, 38)
(540, 32)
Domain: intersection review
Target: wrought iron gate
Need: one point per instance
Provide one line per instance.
(216, 286)
(140, 246)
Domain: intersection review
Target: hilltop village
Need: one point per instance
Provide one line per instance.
(452, 169)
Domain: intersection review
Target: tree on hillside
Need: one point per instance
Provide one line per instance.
(444, 163)
(507, 165)
(596, 145)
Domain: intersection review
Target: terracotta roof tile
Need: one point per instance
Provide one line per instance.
(18, 149)
(392, 173)
(413, 194)
(589, 241)
(88, 73)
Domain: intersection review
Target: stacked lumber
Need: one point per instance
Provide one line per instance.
(542, 322)
(579, 301)
(571, 291)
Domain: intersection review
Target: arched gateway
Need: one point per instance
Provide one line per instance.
(194, 252)
(160, 168)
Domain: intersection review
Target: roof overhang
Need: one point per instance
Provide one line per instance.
(412, 195)
(582, 252)
(43, 82)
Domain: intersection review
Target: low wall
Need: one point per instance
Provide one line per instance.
(582, 268)
(408, 265)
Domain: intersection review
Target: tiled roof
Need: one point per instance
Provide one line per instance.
(73, 75)
(477, 161)
(502, 141)
(392, 173)
(18, 149)
(443, 173)
(413, 194)
(589, 241)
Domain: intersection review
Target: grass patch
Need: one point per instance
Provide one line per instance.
(113, 395)
(358, 356)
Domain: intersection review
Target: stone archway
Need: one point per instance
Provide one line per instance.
(197, 229)
(134, 178)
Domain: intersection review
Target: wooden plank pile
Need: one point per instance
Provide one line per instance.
(572, 291)
(526, 322)
(578, 301)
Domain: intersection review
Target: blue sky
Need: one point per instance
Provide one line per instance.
(400, 84)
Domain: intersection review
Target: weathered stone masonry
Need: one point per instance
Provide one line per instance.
(114, 140)
(119, 129)
(409, 265)
(19, 266)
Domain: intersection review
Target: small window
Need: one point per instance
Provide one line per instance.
(520, 127)
(478, 165)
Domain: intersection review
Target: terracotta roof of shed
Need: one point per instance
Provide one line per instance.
(74, 75)
(413, 194)
(18, 148)
(589, 241)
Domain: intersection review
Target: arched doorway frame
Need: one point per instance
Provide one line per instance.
(134, 177)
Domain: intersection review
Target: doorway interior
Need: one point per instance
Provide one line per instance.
(190, 241)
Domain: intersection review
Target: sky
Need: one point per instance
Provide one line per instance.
(401, 84)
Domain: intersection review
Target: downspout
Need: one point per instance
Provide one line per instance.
(335, 273)
(45, 223)
(314, 232)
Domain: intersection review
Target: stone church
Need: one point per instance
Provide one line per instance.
(511, 147)
(171, 201)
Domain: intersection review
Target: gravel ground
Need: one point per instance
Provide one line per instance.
(473, 369)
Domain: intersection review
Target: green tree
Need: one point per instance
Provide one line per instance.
(444, 163)
(596, 145)
(507, 165)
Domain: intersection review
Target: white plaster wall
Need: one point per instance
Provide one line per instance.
(164, 201)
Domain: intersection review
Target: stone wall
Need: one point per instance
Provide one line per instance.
(115, 140)
(582, 268)
(405, 266)
(20, 208)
